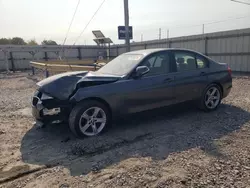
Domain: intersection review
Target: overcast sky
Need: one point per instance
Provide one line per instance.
(49, 19)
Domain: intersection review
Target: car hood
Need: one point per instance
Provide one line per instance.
(62, 86)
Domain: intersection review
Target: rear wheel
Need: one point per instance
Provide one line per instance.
(89, 118)
(211, 98)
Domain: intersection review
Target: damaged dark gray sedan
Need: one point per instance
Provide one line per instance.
(132, 82)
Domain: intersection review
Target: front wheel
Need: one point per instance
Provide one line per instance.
(89, 118)
(211, 98)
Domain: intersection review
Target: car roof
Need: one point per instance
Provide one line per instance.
(150, 51)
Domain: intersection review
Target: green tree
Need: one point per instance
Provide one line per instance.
(17, 41)
(4, 41)
(32, 42)
(49, 42)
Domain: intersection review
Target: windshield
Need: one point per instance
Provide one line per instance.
(121, 65)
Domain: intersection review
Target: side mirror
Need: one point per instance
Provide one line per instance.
(141, 70)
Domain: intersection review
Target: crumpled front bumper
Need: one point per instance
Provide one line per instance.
(36, 113)
(48, 111)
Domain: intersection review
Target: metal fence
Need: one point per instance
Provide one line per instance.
(232, 47)
(18, 57)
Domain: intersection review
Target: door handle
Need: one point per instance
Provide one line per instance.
(202, 73)
(168, 80)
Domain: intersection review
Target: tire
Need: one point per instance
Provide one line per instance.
(204, 98)
(81, 115)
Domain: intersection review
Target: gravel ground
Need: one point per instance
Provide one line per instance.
(173, 147)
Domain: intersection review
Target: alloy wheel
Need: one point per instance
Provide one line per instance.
(92, 121)
(212, 98)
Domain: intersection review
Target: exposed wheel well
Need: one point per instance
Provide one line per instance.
(221, 88)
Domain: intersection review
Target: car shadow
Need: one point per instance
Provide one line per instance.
(154, 134)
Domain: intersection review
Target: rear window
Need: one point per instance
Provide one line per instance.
(201, 62)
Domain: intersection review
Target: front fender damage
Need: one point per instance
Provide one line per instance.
(61, 86)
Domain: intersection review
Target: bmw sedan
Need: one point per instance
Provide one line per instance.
(131, 83)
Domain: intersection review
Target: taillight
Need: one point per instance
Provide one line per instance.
(229, 70)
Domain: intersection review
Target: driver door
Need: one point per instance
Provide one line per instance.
(152, 90)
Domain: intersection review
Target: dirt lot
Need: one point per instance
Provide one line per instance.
(173, 147)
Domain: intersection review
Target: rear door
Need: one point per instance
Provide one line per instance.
(191, 75)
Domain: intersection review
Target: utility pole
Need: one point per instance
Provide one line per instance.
(126, 15)
(168, 34)
(159, 33)
(203, 29)
(141, 37)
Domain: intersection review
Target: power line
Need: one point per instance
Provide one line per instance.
(86, 26)
(71, 22)
(202, 25)
(220, 21)
(209, 23)
(242, 2)
(89, 21)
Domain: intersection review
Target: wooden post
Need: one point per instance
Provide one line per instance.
(79, 53)
(46, 59)
(46, 73)
(109, 51)
(33, 71)
(205, 46)
(6, 61)
(46, 56)
(169, 43)
(12, 61)
(117, 52)
(33, 57)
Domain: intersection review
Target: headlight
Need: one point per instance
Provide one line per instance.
(36, 93)
(46, 97)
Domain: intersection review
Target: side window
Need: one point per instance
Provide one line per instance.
(201, 62)
(151, 61)
(158, 63)
(185, 61)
